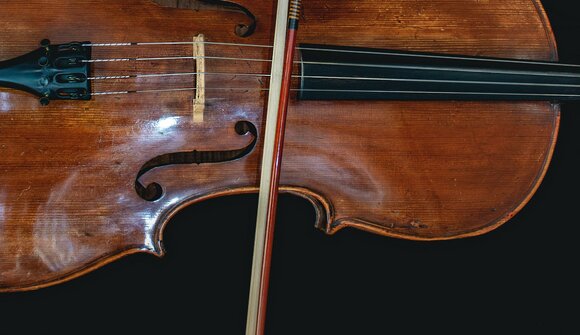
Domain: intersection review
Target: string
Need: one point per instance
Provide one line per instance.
(176, 90)
(386, 66)
(174, 43)
(500, 94)
(154, 75)
(368, 52)
(138, 59)
(444, 81)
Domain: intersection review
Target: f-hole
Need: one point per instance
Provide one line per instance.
(154, 191)
(242, 29)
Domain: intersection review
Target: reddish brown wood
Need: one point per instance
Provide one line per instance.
(275, 183)
(415, 170)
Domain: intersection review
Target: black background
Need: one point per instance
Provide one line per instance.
(520, 277)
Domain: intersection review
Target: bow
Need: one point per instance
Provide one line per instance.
(282, 61)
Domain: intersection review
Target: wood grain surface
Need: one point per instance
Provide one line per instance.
(412, 170)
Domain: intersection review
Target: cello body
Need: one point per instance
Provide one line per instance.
(413, 170)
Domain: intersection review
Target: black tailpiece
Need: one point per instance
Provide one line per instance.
(52, 72)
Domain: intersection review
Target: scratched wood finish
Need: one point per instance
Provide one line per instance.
(416, 170)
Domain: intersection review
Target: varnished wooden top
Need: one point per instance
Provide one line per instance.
(415, 170)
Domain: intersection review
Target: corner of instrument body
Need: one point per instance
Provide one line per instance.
(323, 208)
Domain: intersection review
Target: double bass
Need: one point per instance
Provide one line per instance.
(422, 120)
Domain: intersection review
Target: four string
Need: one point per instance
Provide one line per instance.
(118, 77)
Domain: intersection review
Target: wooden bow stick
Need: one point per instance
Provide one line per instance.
(282, 63)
